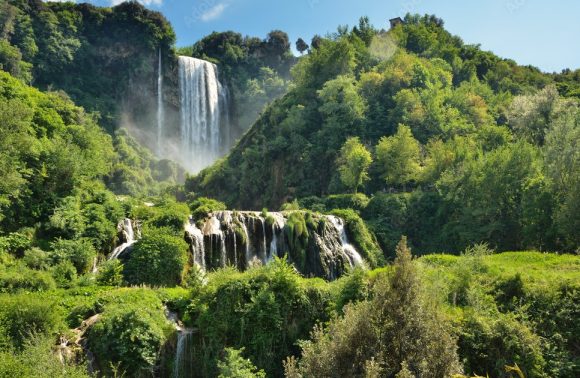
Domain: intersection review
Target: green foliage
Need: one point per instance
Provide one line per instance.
(110, 273)
(235, 365)
(353, 163)
(38, 359)
(490, 343)
(265, 310)
(130, 333)
(23, 315)
(65, 274)
(19, 278)
(393, 328)
(202, 206)
(399, 157)
(157, 259)
(80, 253)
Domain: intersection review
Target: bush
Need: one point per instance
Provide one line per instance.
(110, 273)
(387, 215)
(36, 258)
(65, 274)
(171, 216)
(265, 310)
(202, 206)
(488, 343)
(129, 337)
(37, 359)
(15, 243)
(234, 365)
(356, 202)
(157, 259)
(19, 277)
(81, 253)
(24, 315)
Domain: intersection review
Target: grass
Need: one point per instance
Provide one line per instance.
(538, 270)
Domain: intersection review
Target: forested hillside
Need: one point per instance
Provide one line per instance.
(441, 141)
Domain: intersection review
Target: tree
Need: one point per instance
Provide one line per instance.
(316, 41)
(301, 46)
(399, 157)
(353, 162)
(234, 365)
(157, 259)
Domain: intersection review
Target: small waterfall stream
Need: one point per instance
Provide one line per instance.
(160, 110)
(184, 367)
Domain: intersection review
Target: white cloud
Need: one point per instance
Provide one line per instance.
(213, 12)
(60, 1)
(144, 2)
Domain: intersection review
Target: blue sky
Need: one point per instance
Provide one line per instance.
(542, 33)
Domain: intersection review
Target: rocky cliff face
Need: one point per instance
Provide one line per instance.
(316, 244)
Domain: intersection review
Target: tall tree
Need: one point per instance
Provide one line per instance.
(399, 157)
(353, 163)
(301, 46)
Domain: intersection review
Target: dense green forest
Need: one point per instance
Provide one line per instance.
(421, 144)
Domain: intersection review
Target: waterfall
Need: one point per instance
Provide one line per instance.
(328, 252)
(183, 355)
(203, 107)
(273, 244)
(127, 237)
(194, 236)
(354, 257)
(160, 112)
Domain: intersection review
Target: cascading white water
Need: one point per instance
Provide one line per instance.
(354, 257)
(195, 237)
(183, 360)
(125, 227)
(203, 101)
(328, 253)
(273, 244)
(160, 110)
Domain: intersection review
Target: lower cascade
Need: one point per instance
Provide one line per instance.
(317, 246)
(184, 366)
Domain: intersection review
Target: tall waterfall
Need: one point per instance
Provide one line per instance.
(160, 112)
(203, 109)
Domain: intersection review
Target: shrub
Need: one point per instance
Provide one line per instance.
(157, 259)
(129, 337)
(37, 359)
(81, 253)
(171, 216)
(65, 274)
(24, 315)
(36, 258)
(356, 202)
(489, 342)
(110, 273)
(234, 365)
(19, 277)
(202, 206)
